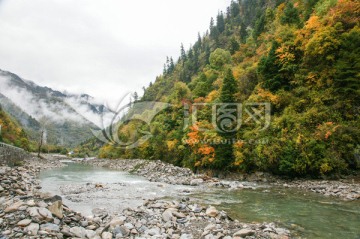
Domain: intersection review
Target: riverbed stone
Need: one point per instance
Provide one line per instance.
(106, 235)
(46, 214)
(24, 223)
(116, 222)
(56, 209)
(50, 227)
(32, 229)
(156, 218)
(78, 231)
(90, 234)
(196, 181)
(153, 231)
(167, 215)
(212, 211)
(13, 207)
(244, 232)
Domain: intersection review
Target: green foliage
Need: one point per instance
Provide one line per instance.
(219, 58)
(291, 15)
(229, 88)
(347, 66)
(269, 69)
(302, 57)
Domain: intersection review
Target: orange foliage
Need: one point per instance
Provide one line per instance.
(325, 130)
(199, 100)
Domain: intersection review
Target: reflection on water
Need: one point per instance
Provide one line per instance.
(310, 215)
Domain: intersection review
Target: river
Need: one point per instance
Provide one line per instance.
(308, 215)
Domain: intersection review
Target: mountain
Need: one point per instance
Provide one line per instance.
(292, 65)
(66, 119)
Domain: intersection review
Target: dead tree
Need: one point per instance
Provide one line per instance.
(41, 143)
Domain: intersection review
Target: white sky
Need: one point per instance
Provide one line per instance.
(103, 48)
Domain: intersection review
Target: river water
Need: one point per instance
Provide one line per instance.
(308, 215)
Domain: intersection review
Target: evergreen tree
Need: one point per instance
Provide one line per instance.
(234, 46)
(165, 70)
(269, 69)
(290, 15)
(220, 22)
(259, 26)
(347, 76)
(234, 9)
(199, 41)
(224, 152)
(243, 32)
(171, 65)
(229, 88)
(182, 53)
(214, 31)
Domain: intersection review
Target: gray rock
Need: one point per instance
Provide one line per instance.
(49, 227)
(78, 231)
(129, 226)
(116, 222)
(46, 214)
(124, 230)
(153, 231)
(196, 181)
(244, 232)
(106, 235)
(186, 236)
(167, 215)
(24, 223)
(90, 234)
(32, 229)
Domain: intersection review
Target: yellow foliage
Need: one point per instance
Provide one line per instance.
(212, 96)
(263, 95)
(171, 144)
(325, 167)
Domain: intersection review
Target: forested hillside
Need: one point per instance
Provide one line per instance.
(12, 133)
(301, 56)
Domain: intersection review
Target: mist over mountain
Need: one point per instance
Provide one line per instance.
(66, 119)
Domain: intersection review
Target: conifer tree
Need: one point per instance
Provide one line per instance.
(220, 22)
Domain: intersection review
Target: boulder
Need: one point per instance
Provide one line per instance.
(212, 211)
(14, 207)
(32, 229)
(56, 209)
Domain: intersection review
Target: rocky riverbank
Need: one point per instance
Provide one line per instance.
(344, 190)
(158, 171)
(26, 212)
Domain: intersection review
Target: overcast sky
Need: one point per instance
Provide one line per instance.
(103, 48)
